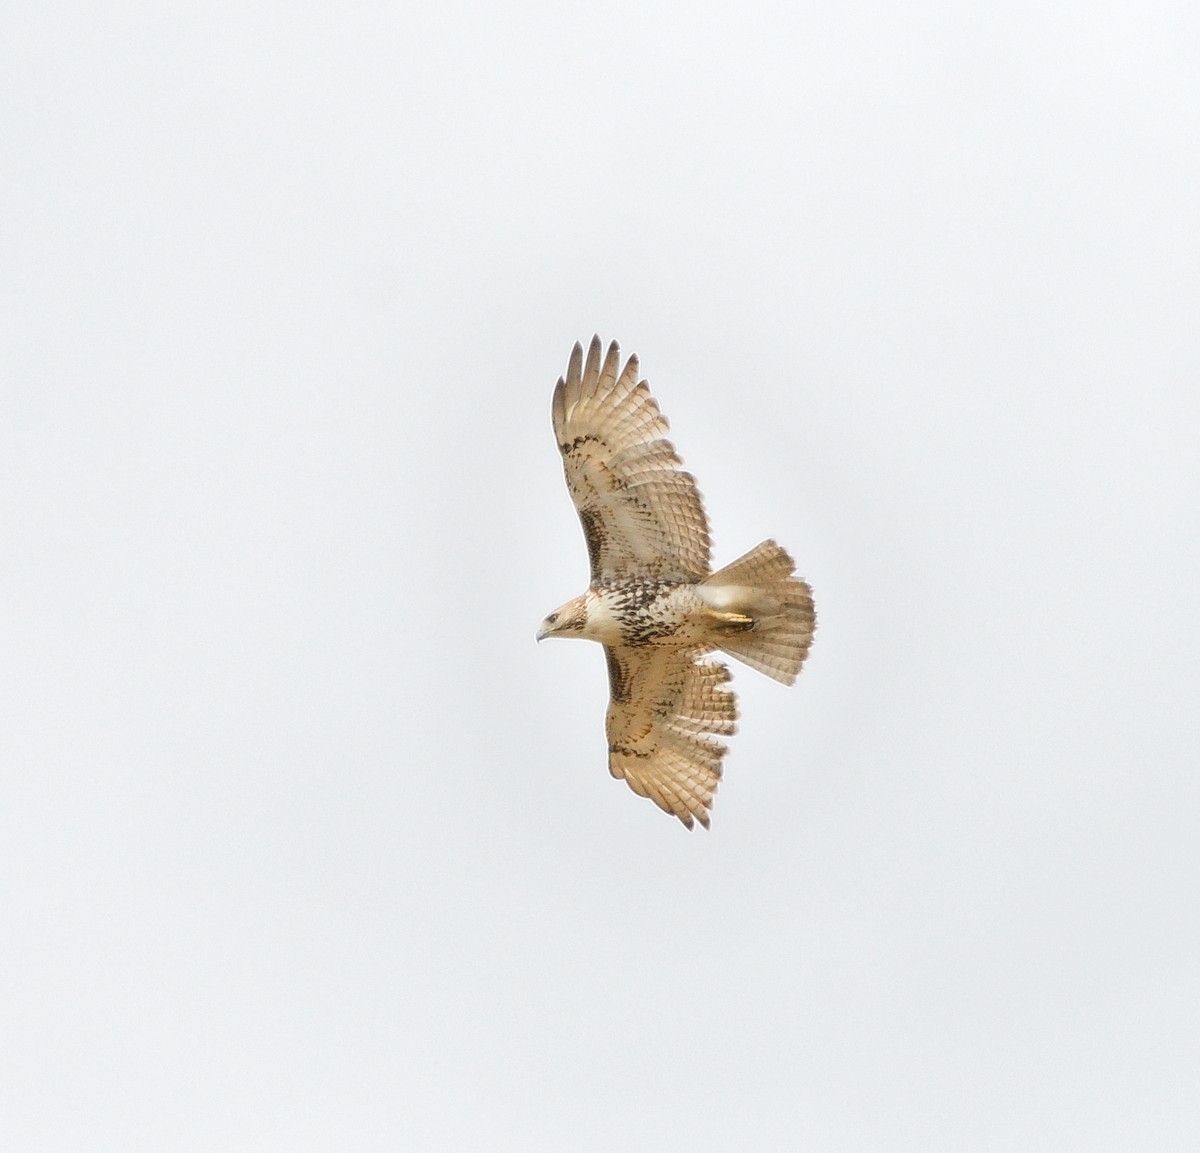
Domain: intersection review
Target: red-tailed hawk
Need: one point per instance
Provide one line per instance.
(652, 602)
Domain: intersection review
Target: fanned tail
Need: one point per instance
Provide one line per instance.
(760, 613)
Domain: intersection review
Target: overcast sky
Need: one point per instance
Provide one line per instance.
(306, 845)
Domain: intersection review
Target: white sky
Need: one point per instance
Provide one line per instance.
(305, 845)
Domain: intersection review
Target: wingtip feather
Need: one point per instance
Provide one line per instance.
(608, 374)
(558, 405)
(591, 368)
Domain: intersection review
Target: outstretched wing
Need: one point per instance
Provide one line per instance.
(641, 513)
(665, 705)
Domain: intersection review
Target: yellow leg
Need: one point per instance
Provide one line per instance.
(730, 622)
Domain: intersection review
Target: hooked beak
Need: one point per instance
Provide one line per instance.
(543, 632)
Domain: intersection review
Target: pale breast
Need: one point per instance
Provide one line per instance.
(648, 611)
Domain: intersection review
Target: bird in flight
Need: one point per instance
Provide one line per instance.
(653, 601)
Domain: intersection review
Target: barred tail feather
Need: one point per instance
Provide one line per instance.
(761, 614)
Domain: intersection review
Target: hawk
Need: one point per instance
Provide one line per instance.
(653, 601)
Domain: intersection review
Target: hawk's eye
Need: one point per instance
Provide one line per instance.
(552, 618)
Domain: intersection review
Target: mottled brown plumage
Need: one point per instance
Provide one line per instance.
(652, 601)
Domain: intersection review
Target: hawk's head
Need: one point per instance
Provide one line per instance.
(570, 620)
